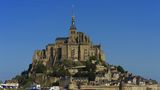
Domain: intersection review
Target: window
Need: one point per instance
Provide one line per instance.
(85, 53)
(73, 53)
(72, 32)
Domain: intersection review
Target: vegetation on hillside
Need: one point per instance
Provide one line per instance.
(60, 69)
(120, 69)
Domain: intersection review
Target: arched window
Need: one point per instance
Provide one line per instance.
(73, 53)
(85, 53)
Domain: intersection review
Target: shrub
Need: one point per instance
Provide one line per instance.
(40, 68)
(120, 69)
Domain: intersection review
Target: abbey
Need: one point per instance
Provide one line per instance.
(76, 47)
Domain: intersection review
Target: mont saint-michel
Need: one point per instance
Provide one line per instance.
(74, 62)
(76, 47)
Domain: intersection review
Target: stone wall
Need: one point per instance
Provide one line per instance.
(131, 87)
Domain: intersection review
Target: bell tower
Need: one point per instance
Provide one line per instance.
(72, 31)
(73, 27)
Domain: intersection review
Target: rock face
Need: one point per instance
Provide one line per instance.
(76, 47)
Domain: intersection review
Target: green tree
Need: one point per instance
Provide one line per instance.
(93, 58)
(90, 67)
(58, 70)
(67, 63)
(24, 74)
(40, 68)
(120, 69)
(30, 67)
(91, 76)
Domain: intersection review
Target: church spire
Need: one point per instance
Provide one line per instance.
(73, 21)
(73, 27)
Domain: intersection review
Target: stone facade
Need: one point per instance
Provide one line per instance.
(131, 87)
(77, 47)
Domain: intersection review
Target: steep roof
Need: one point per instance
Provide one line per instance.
(62, 38)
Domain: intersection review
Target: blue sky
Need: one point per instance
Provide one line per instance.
(128, 30)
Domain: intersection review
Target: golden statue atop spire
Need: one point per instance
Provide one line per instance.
(73, 20)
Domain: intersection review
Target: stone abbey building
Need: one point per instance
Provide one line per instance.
(76, 47)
